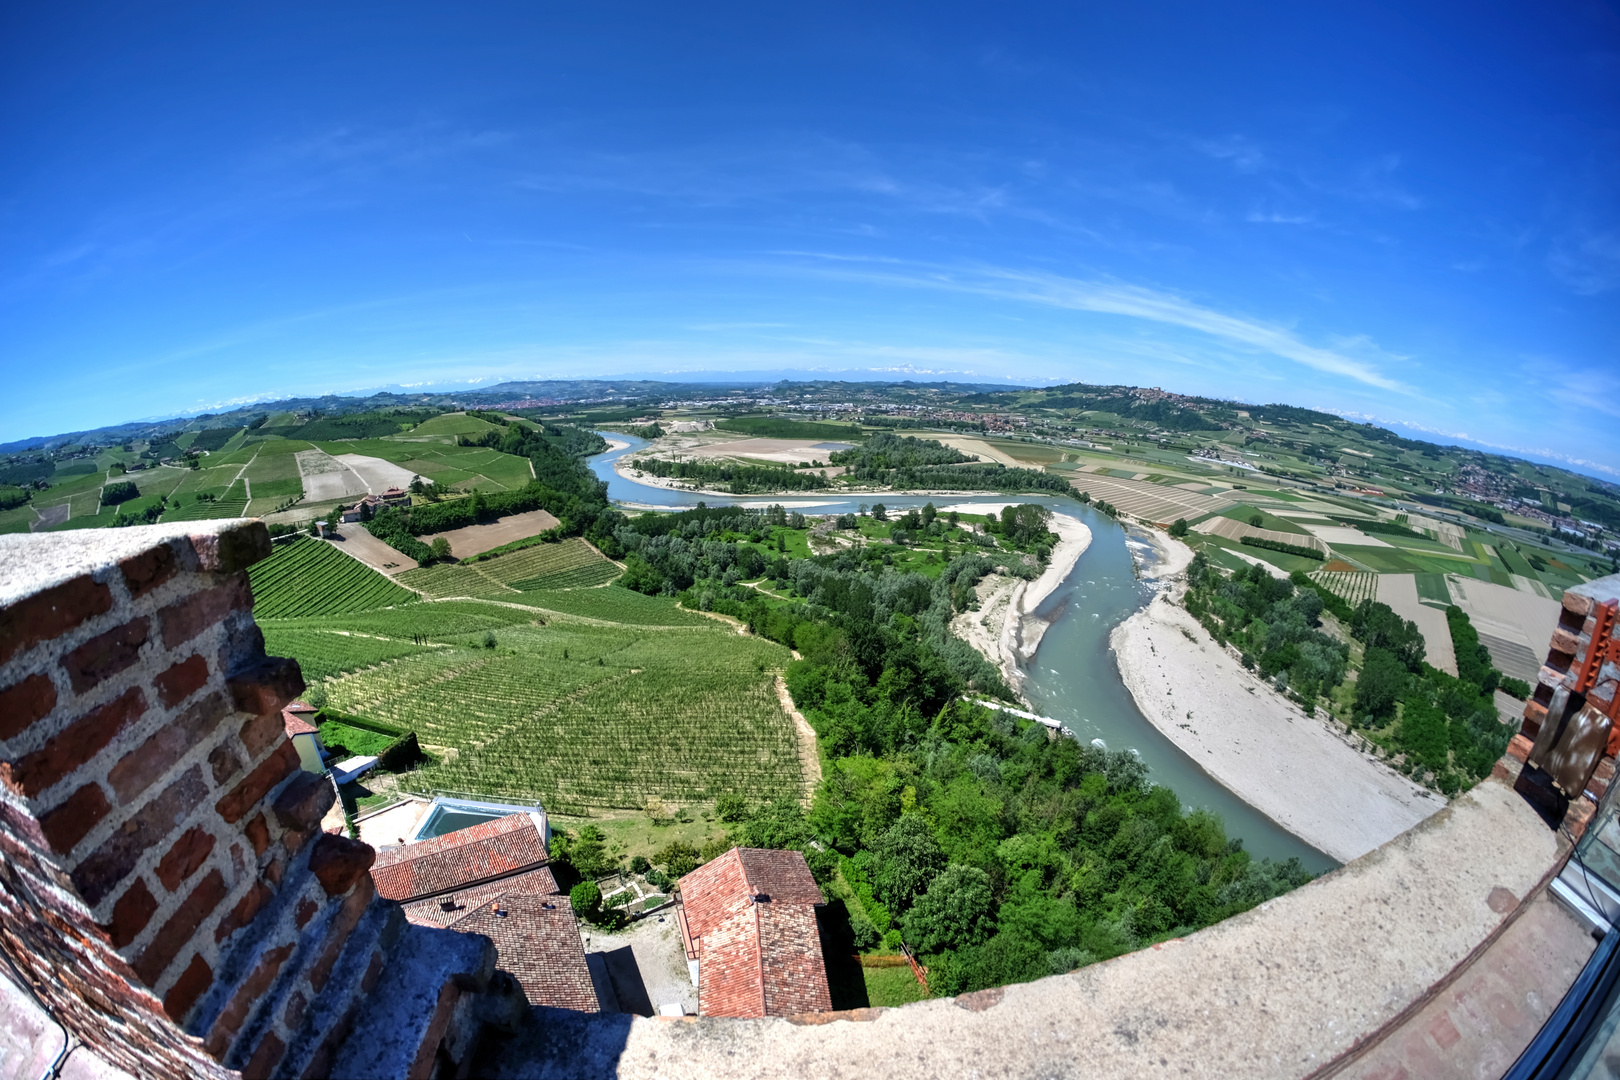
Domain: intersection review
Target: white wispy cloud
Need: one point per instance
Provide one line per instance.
(1152, 305)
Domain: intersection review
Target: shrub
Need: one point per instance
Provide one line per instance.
(1516, 687)
(731, 808)
(677, 858)
(586, 898)
(640, 865)
(440, 548)
(1178, 528)
(658, 880)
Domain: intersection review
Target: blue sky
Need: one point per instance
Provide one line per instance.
(1408, 212)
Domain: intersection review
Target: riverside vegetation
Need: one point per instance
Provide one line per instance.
(1440, 729)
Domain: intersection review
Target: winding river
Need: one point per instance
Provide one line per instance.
(1072, 677)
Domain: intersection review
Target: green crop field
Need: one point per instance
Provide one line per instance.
(570, 564)
(325, 653)
(450, 424)
(628, 699)
(310, 577)
(445, 581)
(1433, 587)
(1353, 586)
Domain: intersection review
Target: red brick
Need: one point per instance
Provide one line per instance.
(23, 703)
(257, 784)
(181, 927)
(258, 833)
(78, 742)
(337, 935)
(266, 686)
(231, 550)
(337, 862)
(190, 986)
(264, 1060)
(1519, 749)
(50, 614)
(105, 655)
(225, 763)
(230, 1018)
(145, 829)
(185, 857)
(186, 618)
(149, 762)
(262, 731)
(1577, 604)
(66, 824)
(149, 569)
(182, 680)
(131, 913)
(304, 802)
(305, 912)
(242, 914)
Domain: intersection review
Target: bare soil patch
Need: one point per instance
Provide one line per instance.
(477, 539)
(357, 543)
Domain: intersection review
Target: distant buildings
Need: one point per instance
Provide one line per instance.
(749, 920)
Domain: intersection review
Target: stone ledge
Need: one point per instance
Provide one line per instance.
(32, 562)
(1279, 991)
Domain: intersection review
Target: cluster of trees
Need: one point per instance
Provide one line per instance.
(1273, 623)
(523, 440)
(908, 463)
(119, 491)
(13, 497)
(735, 477)
(1287, 549)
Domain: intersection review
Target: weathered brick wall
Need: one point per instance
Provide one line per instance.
(151, 785)
(1571, 644)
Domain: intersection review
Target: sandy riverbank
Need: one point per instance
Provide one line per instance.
(1300, 771)
(1005, 629)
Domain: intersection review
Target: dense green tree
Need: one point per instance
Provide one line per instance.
(957, 911)
(908, 858)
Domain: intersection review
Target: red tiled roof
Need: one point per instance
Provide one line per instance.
(538, 942)
(751, 918)
(293, 719)
(464, 858)
(446, 908)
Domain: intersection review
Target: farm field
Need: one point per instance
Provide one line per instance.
(477, 539)
(311, 577)
(626, 699)
(569, 564)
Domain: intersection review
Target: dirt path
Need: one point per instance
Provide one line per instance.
(809, 755)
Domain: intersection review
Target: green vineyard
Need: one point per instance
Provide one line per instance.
(581, 698)
(571, 564)
(310, 577)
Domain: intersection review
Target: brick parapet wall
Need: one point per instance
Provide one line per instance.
(1556, 681)
(165, 870)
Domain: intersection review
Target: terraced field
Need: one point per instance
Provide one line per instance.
(309, 577)
(570, 564)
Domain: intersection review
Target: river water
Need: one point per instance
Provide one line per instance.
(1072, 677)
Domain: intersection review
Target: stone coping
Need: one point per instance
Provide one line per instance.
(32, 562)
(1279, 991)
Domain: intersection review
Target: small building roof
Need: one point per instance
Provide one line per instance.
(460, 859)
(750, 918)
(296, 719)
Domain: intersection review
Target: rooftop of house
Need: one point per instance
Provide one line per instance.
(296, 719)
(494, 849)
(750, 918)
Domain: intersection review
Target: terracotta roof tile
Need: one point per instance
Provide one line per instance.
(751, 917)
(538, 942)
(296, 717)
(463, 858)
